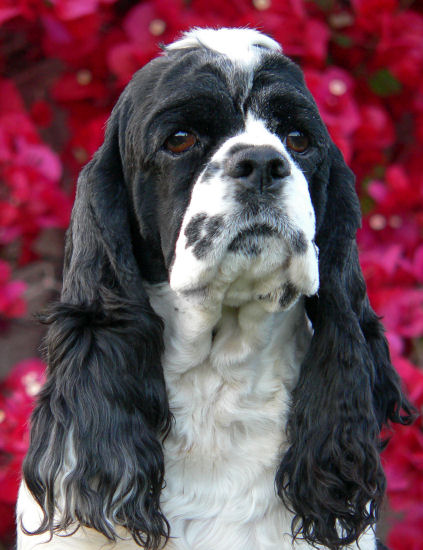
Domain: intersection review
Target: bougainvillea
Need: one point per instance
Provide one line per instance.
(64, 63)
(17, 394)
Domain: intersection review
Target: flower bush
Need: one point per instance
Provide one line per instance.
(363, 61)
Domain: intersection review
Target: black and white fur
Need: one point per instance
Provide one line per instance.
(216, 373)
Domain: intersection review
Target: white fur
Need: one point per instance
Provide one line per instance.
(229, 395)
(242, 46)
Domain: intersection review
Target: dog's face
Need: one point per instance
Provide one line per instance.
(216, 171)
(228, 145)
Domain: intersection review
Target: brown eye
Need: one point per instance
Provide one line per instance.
(180, 142)
(297, 142)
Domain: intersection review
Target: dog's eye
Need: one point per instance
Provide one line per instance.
(180, 142)
(297, 142)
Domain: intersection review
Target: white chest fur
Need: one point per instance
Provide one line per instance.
(229, 380)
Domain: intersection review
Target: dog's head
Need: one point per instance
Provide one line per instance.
(215, 163)
(218, 150)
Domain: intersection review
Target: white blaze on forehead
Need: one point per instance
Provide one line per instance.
(254, 133)
(243, 46)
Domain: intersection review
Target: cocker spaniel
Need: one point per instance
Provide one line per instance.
(217, 379)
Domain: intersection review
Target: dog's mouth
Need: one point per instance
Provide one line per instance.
(248, 241)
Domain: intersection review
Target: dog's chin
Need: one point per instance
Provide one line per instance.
(256, 265)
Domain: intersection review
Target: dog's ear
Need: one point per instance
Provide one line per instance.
(331, 476)
(95, 455)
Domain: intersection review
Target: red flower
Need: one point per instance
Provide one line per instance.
(302, 35)
(31, 198)
(407, 534)
(12, 304)
(146, 25)
(8, 11)
(403, 464)
(376, 130)
(374, 8)
(333, 91)
(401, 46)
(41, 113)
(62, 9)
(75, 9)
(17, 394)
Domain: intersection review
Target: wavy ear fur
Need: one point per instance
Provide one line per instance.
(95, 451)
(331, 476)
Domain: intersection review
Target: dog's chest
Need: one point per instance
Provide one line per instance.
(221, 457)
(229, 387)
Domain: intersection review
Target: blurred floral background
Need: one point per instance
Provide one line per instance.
(64, 63)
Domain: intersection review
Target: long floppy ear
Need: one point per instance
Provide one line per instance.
(331, 476)
(95, 456)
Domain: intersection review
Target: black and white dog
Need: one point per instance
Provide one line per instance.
(217, 379)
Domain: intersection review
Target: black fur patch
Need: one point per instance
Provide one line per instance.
(201, 247)
(299, 243)
(246, 243)
(193, 229)
(244, 246)
(201, 232)
(214, 226)
(290, 293)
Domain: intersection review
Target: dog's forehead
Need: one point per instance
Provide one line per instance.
(225, 63)
(242, 46)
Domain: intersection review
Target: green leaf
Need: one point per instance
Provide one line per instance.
(384, 84)
(342, 40)
(367, 204)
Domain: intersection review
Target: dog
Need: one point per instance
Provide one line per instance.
(216, 376)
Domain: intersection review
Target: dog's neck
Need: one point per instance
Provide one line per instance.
(228, 338)
(213, 349)
(229, 374)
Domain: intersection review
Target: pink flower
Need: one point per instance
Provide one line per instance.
(150, 23)
(62, 9)
(17, 394)
(31, 198)
(333, 90)
(401, 309)
(376, 129)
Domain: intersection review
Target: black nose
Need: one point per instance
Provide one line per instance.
(260, 167)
